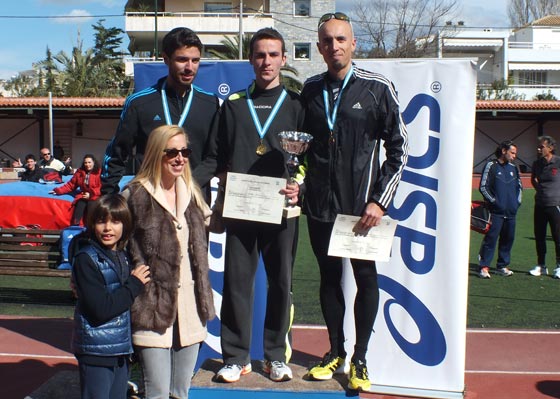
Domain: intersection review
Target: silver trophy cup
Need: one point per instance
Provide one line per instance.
(294, 143)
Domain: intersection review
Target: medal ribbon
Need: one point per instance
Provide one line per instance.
(263, 129)
(166, 112)
(331, 119)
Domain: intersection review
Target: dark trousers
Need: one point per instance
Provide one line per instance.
(332, 297)
(245, 241)
(543, 216)
(80, 209)
(104, 381)
(502, 229)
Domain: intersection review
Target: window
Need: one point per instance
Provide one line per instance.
(301, 8)
(302, 51)
(217, 8)
(532, 78)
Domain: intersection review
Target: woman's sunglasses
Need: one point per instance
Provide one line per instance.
(174, 153)
(333, 15)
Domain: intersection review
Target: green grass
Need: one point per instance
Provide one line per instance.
(36, 296)
(519, 301)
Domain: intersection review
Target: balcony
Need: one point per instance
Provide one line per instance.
(534, 53)
(210, 27)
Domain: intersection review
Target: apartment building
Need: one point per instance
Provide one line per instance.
(527, 58)
(215, 19)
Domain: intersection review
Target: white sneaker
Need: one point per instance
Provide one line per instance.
(538, 271)
(504, 271)
(277, 371)
(557, 272)
(484, 272)
(232, 372)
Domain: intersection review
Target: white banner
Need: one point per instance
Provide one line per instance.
(418, 344)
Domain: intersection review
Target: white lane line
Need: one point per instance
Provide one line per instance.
(522, 332)
(512, 372)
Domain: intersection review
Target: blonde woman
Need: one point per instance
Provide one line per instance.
(169, 318)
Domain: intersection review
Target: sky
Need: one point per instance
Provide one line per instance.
(30, 26)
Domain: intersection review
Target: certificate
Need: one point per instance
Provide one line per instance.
(255, 198)
(374, 245)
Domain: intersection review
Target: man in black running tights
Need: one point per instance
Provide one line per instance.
(350, 112)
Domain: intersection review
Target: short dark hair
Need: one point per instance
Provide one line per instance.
(115, 207)
(266, 33)
(504, 145)
(549, 141)
(180, 37)
(30, 156)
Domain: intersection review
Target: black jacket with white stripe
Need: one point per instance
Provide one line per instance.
(344, 173)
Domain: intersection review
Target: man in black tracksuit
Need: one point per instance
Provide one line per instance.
(500, 185)
(349, 113)
(248, 143)
(173, 100)
(545, 178)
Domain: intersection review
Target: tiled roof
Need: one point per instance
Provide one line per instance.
(549, 20)
(109, 103)
(61, 102)
(504, 105)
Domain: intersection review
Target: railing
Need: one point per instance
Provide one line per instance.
(212, 14)
(534, 46)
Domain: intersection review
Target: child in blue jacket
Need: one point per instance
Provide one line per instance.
(106, 289)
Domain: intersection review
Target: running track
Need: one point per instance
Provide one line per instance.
(501, 364)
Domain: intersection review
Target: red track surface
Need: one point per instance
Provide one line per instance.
(500, 364)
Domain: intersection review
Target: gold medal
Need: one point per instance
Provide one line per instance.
(261, 149)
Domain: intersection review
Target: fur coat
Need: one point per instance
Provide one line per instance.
(154, 242)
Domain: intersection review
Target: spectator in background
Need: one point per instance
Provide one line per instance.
(501, 187)
(545, 178)
(48, 161)
(58, 151)
(68, 162)
(87, 180)
(32, 172)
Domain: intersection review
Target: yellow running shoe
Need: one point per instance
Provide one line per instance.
(329, 365)
(358, 379)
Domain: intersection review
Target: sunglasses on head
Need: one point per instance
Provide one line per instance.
(333, 15)
(174, 153)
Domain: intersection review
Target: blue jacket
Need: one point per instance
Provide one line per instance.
(501, 187)
(102, 321)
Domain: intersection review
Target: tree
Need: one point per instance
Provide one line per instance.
(107, 41)
(21, 85)
(499, 90)
(522, 12)
(95, 72)
(231, 48)
(390, 28)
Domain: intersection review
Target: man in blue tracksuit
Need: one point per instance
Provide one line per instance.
(501, 187)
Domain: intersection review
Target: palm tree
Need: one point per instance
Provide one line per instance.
(231, 48)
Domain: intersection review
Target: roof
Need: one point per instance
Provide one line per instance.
(108, 103)
(61, 102)
(504, 105)
(549, 20)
